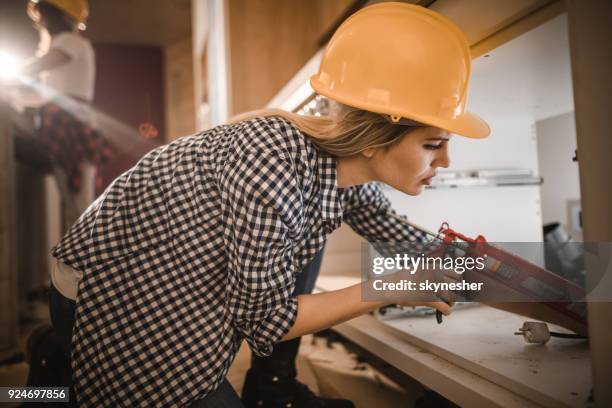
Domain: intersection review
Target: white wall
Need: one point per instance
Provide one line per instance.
(512, 144)
(501, 214)
(556, 139)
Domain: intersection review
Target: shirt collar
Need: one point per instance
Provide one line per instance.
(331, 206)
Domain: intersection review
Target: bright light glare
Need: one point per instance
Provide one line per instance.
(9, 66)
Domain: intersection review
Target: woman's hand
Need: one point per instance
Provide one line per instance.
(443, 307)
(441, 300)
(413, 288)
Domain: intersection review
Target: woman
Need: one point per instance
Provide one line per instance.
(199, 245)
(66, 131)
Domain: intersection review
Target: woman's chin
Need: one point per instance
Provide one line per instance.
(417, 190)
(412, 190)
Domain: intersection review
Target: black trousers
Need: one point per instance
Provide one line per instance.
(62, 312)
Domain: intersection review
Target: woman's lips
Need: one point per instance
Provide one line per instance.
(427, 180)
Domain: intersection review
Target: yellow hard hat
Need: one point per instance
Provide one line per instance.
(404, 61)
(78, 10)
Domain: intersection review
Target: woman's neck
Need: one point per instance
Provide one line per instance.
(353, 170)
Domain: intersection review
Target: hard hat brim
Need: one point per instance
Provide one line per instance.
(466, 124)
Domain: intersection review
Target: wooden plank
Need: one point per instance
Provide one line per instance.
(589, 36)
(8, 259)
(480, 340)
(453, 382)
(32, 249)
(352, 9)
(269, 41)
(480, 19)
(517, 28)
(179, 89)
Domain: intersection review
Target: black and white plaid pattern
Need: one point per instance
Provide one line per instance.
(196, 248)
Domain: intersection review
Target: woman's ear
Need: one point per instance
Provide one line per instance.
(369, 152)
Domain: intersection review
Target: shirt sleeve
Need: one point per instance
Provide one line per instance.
(263, 219)
(69, 43)
(369, 213)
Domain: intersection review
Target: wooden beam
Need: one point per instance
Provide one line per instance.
(533, 19)
(589, 36)
(356, 5)
(8, 252)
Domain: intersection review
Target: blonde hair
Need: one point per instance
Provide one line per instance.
(346, 133)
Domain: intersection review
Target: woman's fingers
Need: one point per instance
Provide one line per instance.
(447, 296)
(443, 307)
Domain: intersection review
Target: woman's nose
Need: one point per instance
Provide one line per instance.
(442, 158)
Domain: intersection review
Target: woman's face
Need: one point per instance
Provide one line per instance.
(411, 163)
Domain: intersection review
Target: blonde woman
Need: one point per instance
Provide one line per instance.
(199, 245)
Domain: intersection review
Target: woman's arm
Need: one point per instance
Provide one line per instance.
(320, 311)
(50, 60)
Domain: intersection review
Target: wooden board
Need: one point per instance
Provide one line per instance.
(480, 340)
(8, 260)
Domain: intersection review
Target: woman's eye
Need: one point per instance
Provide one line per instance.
(433, 147)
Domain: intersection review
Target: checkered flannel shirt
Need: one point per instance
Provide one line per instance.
(196, 248)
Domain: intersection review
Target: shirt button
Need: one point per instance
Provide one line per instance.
(274, 379)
